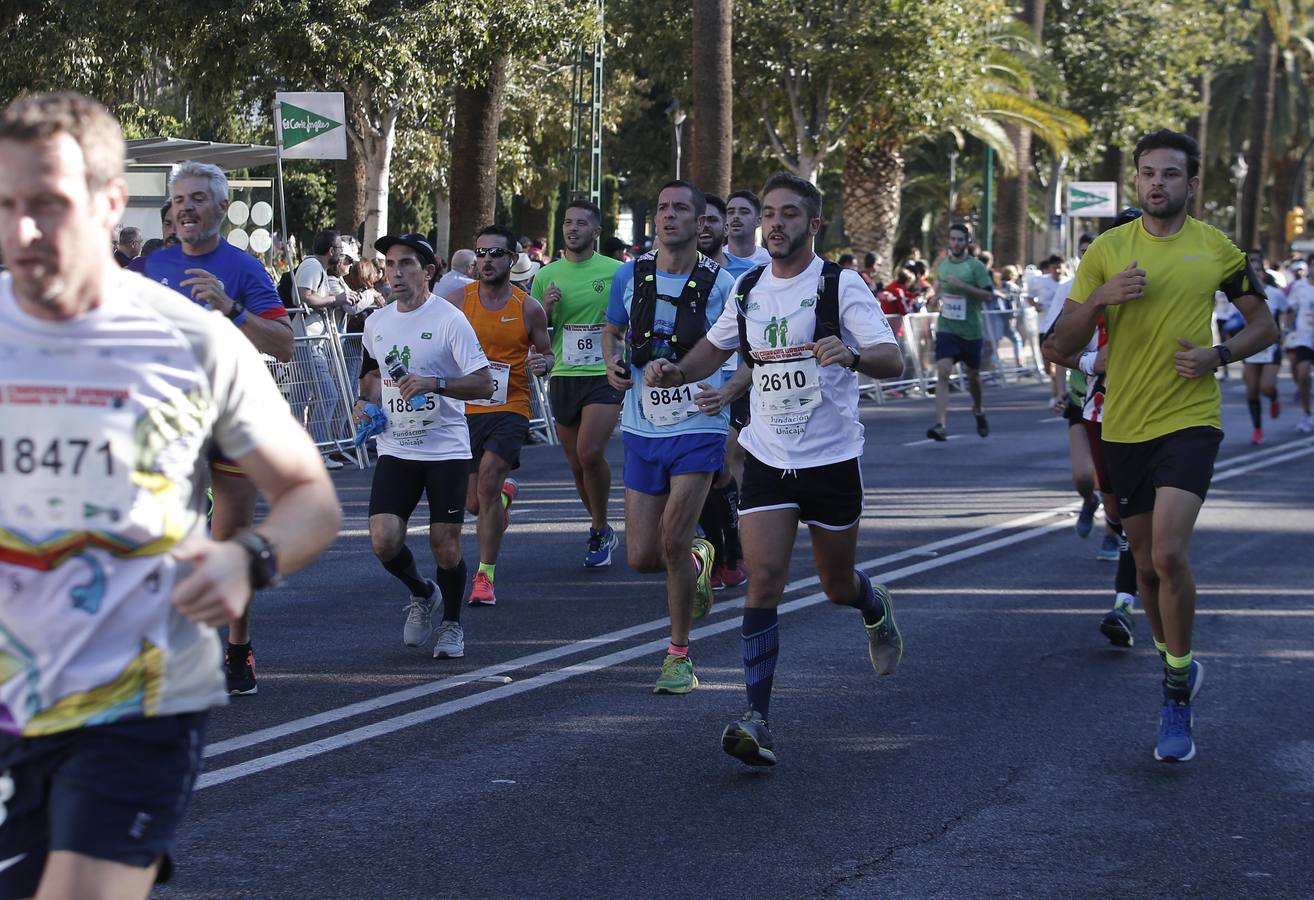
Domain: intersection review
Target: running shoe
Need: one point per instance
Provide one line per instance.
(884, 642)
(734, 577)
(1257, 436)
(1274, 407)
(702, 598)
(1110, 548)
(1195, 677)
(982, 426)
(601, 543)
(332, 464)
(451, 641)
(240, 673)
(718, 577)
(419, 618)
(677, 676)
(1306, 424)
(748, 740)
(481, 591)
(510, 488)
(1086, 518)
(1175, 743)
(1117, 627)
(936, 432)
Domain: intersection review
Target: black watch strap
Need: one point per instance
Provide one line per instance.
(1224, 354)
(236, 310)
(264, 564)
(857, 357)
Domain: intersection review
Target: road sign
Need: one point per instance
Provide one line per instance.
(310, 125)
(1093, 199)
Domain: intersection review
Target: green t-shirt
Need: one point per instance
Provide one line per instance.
(577, 318)
(960, 314)
(1146, 397)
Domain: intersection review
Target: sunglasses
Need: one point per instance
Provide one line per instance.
(494, 252)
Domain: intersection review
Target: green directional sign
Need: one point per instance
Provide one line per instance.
(300, 125)
(1092, 199)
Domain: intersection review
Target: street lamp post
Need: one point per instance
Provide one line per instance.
(677, 125)
(1239, 172)
(953, 183)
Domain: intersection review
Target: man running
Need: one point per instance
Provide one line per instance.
(1260, 371)
(574, 291)
(804, 444)
(215, 274)
(511, 327)
(111, 394)
(421, 361)
(720, 516)
(661, 305)
(1161, 426)
(962, 284)
(743, 217)
(1300, 345)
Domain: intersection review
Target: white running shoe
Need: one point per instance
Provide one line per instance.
(451, 641)
(1306, 424)
(332, 464)
(419, 618)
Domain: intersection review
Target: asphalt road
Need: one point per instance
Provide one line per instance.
(1011, 756)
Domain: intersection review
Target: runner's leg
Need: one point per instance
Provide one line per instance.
(1175, 512)
(69, 875)
(768, 536)
(234, 510)
(942, 369)
(596, 423)
(677, 532)
(1083, 467)
(492, 473)
(643, 531)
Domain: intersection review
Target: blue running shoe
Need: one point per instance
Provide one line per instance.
(1086, 518)
(1175, 743)
(1195, 677)
(601, 543)
(1110, 548)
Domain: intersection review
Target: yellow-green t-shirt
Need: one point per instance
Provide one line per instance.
(1146, 397)
(578, 316)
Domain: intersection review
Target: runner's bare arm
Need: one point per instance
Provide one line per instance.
(701, 361)
(884, 360)
(613, 342)
(1260, 331)
(272, 336)
(540, 345)
(478, 385)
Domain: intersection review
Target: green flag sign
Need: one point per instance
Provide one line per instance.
(310, 125)
(1093, 199)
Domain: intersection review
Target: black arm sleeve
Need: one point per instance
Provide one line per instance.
(368, 363)
(1244, 282)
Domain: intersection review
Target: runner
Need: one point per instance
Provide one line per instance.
(661, 305)
(510, 326)
(1260, 371)
(962, 284)
(111, 394)
(808, 328)
(1300, 345)
(574, 291)
(215, 274)
(743, 217)
(720, 516)
(1161, 426)
(433, 362)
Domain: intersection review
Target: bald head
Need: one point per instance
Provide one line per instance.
(462, 261)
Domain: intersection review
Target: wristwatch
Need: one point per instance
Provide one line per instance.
(442, 384)
(236, 310)
(853, 367)
(264, 564)
(1224, 355)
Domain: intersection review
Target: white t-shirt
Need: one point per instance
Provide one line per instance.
(1056, 301)
(451, 281)
(781, 317)
(433, 340)
(312, 276)
(1301, 299)
(1041, 289)
(107, 423)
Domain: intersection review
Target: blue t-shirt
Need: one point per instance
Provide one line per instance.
(241, 274)
(669, 287)
(738, 265)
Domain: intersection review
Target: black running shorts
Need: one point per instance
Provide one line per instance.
(829, 497)
(1183, 459)
(499, 433)
(569, 394)
(398, 484)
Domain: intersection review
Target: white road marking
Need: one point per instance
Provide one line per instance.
(952, 437)
(1232, 468)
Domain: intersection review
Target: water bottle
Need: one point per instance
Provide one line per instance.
(397, 371)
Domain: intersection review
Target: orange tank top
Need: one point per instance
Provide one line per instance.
(505, 340)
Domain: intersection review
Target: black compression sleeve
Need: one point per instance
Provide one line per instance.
(368, 364)
(1244, 281)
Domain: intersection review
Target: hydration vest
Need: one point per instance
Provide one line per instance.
(827, 310)
(690, 308)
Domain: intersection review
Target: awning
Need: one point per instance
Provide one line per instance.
(162, 151)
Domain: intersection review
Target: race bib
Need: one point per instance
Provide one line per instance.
(786, 388)
(404, 420)
(66, 460)
(953, 307)
(501, 373)
(581, 345)
(668, 406)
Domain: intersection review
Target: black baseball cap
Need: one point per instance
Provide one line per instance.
(416, 242)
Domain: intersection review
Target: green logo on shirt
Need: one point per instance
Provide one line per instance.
(426, 335)
(599, 285)
(776, 332)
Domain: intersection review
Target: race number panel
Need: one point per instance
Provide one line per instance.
(668, 406)
(788, 387)
(501, 373)
(953, 307)
(404, 420)
(581, 345)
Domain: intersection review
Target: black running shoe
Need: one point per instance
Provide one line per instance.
(1117, 627)
(748, 740)
(982, 426)
(936, 432)
(240, 672)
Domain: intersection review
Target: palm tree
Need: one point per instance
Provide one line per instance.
(712, 98)
(1011, 214)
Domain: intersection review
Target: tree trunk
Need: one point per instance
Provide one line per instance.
(377, 154)
(712, 98)
(873, 181)
(535, 221)
(1110, 169)
(1285, 173)
(1198, 128)
(1013, 199)
(442, 223)
(1264, 79)
(473, 179)
(349, 209)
